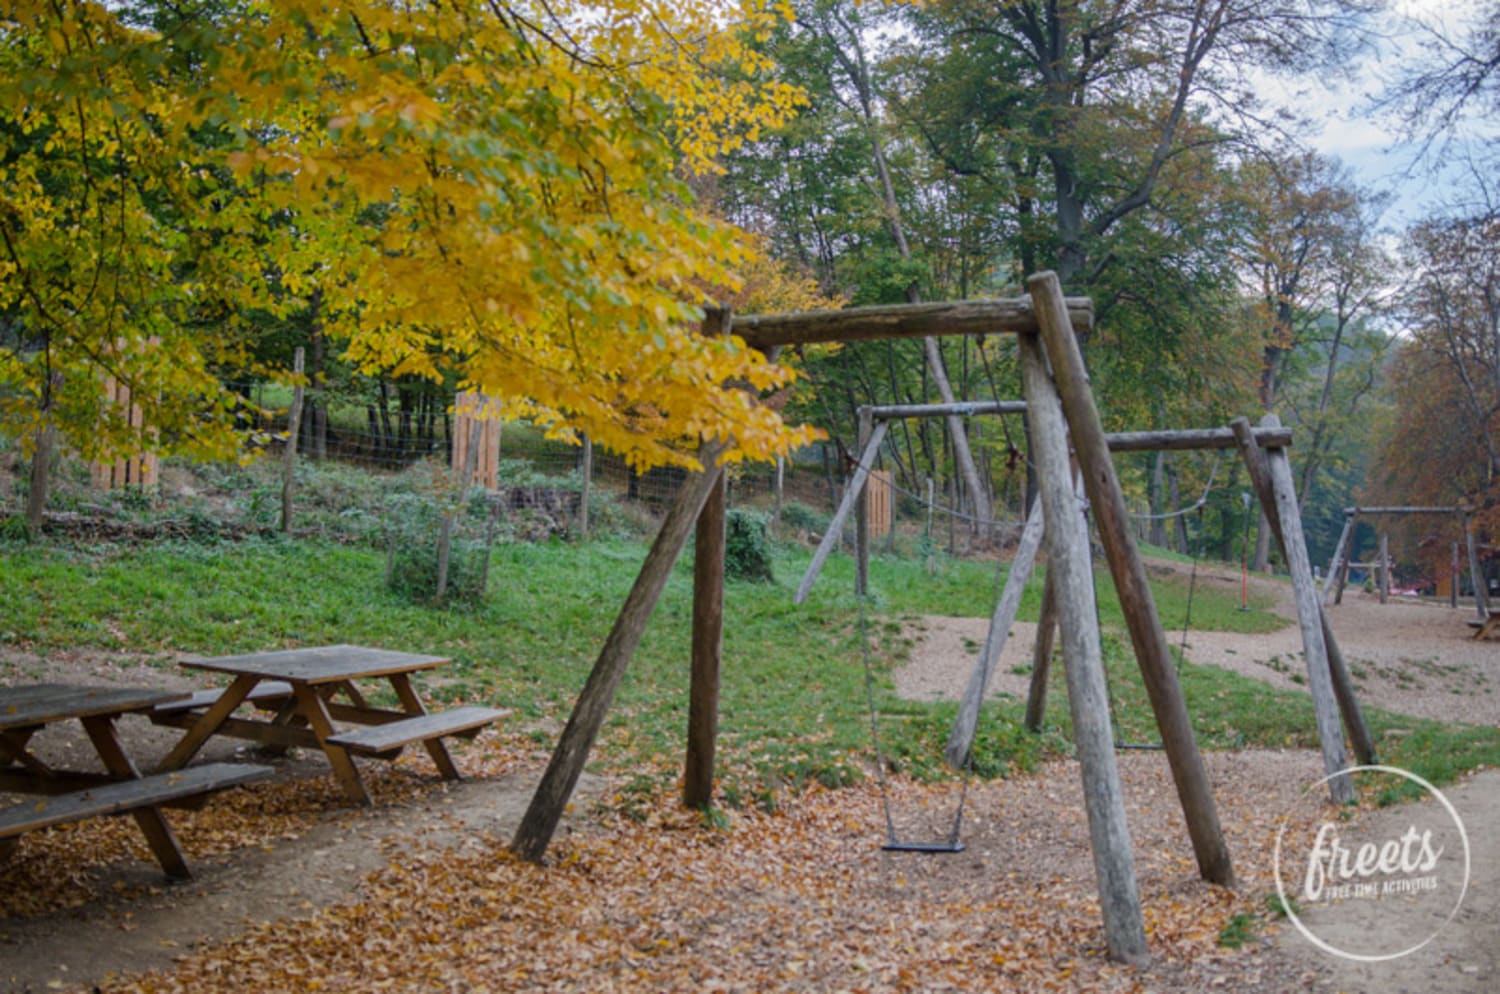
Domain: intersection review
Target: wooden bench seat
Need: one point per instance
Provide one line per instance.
(125, 796)
(268, 694)
(389, 738)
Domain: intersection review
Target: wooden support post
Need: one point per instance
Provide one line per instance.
(1385, 567)
(1152, 653)
(862, 504)
(1343, 577)
(709, 554)
(778, 491)
(1453, 583)
(586, 487)
(289, 454)
(1339, 562)
(1309, 617)
(563, 770)
(1041, 657)
(836, 526)
(1476, 575)
(708, 643)
(1343, 686)
(1083, 659)
(961, 739)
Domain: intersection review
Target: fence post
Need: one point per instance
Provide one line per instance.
(289, 454)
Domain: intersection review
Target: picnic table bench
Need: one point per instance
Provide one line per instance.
(1484, 629)
(301, 688)
(70, 795)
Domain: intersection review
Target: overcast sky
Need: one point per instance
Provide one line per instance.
(1370, 144)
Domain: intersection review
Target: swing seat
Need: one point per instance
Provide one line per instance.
(923, 847)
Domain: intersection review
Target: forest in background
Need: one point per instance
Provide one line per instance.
(536, 200)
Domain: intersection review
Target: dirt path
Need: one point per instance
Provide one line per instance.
(1406, 657)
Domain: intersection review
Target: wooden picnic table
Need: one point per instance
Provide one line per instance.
(73, 795)
(299, 687)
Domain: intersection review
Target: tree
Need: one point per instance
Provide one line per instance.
(1454, 353)
(493, 189)
(1457, 76)
(1108, 95)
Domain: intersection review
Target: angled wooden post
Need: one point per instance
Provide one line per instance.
(1083, 659)
(1340, 550)
(546, 809)
(1342, 580)
(961, 739)
(1309, 618)
(709, 554)
(836, 526)
(1041, 657)
(1152, 653)
(1343, 686)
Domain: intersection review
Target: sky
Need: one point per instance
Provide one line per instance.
(1371, 145)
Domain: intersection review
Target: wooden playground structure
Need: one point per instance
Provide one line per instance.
(1066, 429)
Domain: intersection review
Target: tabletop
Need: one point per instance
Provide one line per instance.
(40, 703)
(320, 664)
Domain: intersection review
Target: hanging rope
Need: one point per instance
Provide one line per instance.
(1197, 505)
(893, 843)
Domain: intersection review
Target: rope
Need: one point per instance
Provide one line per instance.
(1197, 505)
(892, 840)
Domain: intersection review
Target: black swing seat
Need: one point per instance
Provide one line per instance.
(896, 845)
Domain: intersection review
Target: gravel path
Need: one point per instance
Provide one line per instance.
(1407, 657)
(1410, 657)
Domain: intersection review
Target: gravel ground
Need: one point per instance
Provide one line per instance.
(1409, 657)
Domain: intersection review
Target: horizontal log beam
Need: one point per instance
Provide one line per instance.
(857, 324)
(970, 409)
(1120, 441)
(1401, 510)
(1197, 438)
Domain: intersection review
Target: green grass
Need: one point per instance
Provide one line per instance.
(793, 696)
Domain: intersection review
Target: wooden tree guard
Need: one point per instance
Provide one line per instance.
(1151, 650)
(1088, 697)
(474, 412)
(140, 469)
(881, 487)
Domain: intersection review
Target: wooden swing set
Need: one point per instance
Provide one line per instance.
(1065, 427)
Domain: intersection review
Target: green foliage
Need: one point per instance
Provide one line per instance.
(747, 553)
(793, 707)
(413, 524)
(1241, 928)
(800, 517)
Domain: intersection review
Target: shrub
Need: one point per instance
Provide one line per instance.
(800, 517)
(747, 553)
(413, 523)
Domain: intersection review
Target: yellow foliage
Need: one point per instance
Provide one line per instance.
(465, 185)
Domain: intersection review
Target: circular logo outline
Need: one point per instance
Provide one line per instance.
(1328, 947)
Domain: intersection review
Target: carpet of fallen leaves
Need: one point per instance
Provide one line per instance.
(59, 868)
(797, 900)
